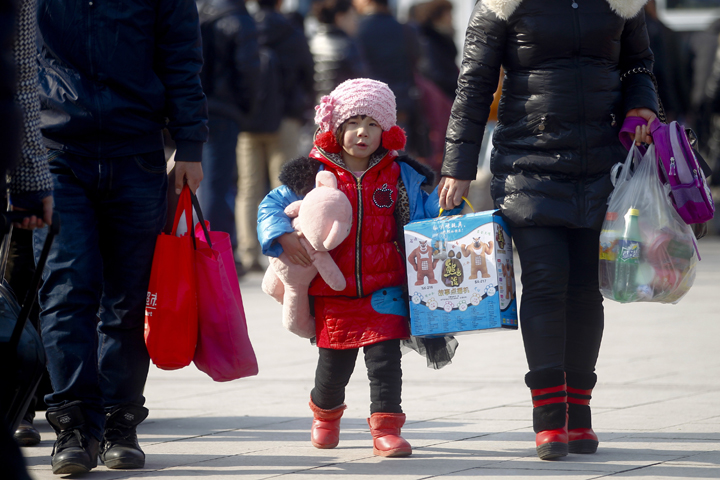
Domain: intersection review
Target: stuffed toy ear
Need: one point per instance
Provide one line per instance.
(394, 139)
(325, 179)
(328, 142)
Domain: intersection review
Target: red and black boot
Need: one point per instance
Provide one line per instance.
(581, 438)
(325, 430)
(549, 412)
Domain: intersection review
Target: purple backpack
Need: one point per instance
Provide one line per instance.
(677, 167)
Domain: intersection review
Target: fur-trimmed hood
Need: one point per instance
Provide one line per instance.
(625, 8)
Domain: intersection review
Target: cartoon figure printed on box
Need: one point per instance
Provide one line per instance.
(477, 252)
(422, 261)
(506, 277)
(463, 290)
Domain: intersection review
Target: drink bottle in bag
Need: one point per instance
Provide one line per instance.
(609, 238)
(628, 259)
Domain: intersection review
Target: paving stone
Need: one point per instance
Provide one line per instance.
(655, 408)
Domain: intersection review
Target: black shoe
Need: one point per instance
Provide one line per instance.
(120, 447)
(75, 450)
(26, 435)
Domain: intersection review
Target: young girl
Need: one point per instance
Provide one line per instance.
(357, 141)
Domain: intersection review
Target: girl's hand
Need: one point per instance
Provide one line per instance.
(291, 245)
(642, 132)
(450, 192)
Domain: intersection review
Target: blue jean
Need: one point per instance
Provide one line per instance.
(95, 283)
(219, 187)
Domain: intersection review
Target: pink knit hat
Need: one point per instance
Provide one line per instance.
(359, 96)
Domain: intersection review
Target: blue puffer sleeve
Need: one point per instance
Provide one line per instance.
(422, 204)
(272, 220)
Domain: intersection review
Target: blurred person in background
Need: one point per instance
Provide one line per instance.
(284, 102)
(390, 51)
(437, 46)
(437, 73)
(707, 109)
(670, 68)
(230, 77)
(334, 51)
(705, 97)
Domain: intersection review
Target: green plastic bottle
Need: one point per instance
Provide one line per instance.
(628, 259)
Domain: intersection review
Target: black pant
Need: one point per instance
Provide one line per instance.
(383, 367)
(561, 312)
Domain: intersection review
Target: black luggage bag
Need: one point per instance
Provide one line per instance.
(22, 357)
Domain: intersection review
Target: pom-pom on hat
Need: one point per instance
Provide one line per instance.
(359, 96)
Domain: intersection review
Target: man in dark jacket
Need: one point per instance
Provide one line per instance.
(230, 81)
(335, 53)
(112, 76)
(286, 96)
(391, 52)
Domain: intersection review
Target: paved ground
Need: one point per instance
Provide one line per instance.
(656, 406)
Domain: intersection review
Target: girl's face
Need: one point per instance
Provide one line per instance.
(362, 135)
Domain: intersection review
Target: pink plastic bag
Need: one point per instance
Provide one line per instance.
(223, 350)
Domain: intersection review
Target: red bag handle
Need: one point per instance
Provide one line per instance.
(201, 219)
(186, 202)
(184, 205)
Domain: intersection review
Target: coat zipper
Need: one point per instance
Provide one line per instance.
(581, 106)
(358, 238)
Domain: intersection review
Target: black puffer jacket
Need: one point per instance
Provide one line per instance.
(336, 57)
(232, 64)
(562, 104)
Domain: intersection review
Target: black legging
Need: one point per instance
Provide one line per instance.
(561, 312)
(383, 367)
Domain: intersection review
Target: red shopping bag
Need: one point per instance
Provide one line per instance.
(224, 350)
(171, 313)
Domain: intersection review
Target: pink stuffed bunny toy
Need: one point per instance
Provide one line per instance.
(324, 217)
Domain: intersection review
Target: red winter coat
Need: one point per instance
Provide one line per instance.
(369, 258)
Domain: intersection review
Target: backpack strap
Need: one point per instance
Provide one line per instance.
(628, 129)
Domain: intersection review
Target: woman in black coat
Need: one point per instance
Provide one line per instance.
(562, 106)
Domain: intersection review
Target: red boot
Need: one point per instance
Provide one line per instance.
(325, 431)
(549, 413)
(581, 437)
(385, 429)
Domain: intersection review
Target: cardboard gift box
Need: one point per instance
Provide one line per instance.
(460, 274)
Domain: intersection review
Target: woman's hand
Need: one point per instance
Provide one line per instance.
(451, 190)
(642, 132)
(291, 245)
